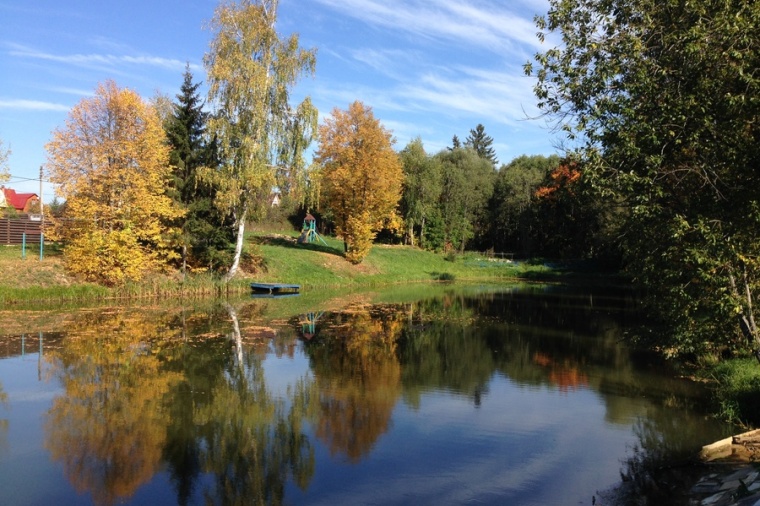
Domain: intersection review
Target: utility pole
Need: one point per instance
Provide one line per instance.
(42, 216)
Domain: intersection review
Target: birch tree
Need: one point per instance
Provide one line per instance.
(251, 71)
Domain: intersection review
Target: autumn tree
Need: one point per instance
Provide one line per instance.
(421, 190)
(111, 165)
(661, 99)
(361, 176)
(566, 215)
(482, 143)
(251, 70)
(207, 238)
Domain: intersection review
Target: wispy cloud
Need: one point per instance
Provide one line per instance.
(71, 91)
(386, 61)
(99, 60)
(484, 24)
(32, 105)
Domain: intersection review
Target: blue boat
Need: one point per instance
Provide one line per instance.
(274, 288)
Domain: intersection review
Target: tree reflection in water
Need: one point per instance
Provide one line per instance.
(137, 392)
(109, 429)
(186, 392)
(253, 444)
(358, 378)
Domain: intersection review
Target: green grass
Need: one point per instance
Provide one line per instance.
(320, 265)
(737, 391)
(276, 258)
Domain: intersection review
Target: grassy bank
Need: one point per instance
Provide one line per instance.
(322, 265)
(737, 390)
(275, 258)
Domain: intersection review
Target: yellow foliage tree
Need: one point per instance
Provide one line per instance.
(361, 176)
(111, 164)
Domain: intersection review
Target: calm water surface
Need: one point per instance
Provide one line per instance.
(476, 396)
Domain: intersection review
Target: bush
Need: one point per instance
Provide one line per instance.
(738, 390)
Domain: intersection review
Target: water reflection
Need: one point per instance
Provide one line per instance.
(357, 375)
(109, 428)
(3, 421)
(192, 401)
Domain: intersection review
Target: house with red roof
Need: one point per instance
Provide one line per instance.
(21, 202)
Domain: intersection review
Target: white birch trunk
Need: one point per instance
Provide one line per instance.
(238, 246)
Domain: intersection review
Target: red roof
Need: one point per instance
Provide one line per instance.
(19, 201)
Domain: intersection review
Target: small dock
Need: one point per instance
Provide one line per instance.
(275, 288)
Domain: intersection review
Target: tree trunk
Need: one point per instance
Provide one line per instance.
(238, 245)
(236, 335)
(184, 261)
(746, 316)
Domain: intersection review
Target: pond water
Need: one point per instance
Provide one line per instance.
(426, 395)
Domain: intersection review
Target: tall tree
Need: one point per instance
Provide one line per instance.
(511, 208)
(361, 176)
(661, 96)
(482, 144)
(467, 186)
(422, 188)
(566, 214)
(251, 71)
(206, 232)
(111, 165)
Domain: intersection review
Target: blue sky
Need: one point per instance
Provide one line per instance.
(428, 68)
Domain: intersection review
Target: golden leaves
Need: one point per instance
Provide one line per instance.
(361, 175)
(111, 162)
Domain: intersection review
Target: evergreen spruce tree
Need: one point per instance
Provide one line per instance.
(207, 240)
(481, 143)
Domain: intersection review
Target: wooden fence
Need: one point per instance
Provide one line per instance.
(12, 230)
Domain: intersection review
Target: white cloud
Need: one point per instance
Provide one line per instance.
(71, 91)
(100, 60)
(485, 24)
(32, 105)
(502, 96)
(386, 61)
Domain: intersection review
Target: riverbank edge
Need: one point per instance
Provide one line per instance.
(275, 258)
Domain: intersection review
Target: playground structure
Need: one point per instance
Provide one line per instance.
(309, 231)
(309, 324)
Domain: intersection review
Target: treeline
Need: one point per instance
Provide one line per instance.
(532, 206)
